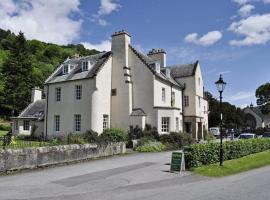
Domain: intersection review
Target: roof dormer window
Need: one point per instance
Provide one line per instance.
(65, 69)
(155, 66)
(85, 65)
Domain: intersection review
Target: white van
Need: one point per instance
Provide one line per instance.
(215, 131)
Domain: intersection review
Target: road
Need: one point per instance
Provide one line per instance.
(136, 176)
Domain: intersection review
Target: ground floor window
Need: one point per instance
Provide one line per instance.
(26, 125)
(177, 124)
(57, 122)
(105, 121)
(165, 124)
(77, 122)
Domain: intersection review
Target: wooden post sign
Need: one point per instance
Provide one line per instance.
(177, 162)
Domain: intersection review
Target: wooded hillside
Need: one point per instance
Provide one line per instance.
(25, 64)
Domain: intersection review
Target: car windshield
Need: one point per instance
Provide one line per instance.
(245, 136)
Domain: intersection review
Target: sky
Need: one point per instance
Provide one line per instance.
(229, 37)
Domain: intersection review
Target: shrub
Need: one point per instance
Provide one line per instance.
(76, 138)
(151, 146)
(91, 136)
(112, 135)
(150, 132)
(204, 154)
(176, 140)
(135, 133)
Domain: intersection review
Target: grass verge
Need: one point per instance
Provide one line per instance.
(235, 166)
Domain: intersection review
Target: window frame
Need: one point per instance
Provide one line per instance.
(58, 94)
(78, 92)
(26, 125)
(105, 122)
(163, 93)
(56, 123)
(186, 101)
(85, 65)
(77, 122)
(165, 124)
(65, 69)
(177, 127)
(173, 99)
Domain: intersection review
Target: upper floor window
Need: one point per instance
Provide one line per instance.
(78, 92)
(186, 101)
(65, 69)
(105, 122)
(58, 94)
(199, 81)
(163, 95)
(85, 65)
(57, 122)
(173, 99)
(77, 122)
(199, 102)
(26, 125)
(165, 124)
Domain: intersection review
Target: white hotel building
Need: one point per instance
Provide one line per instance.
(120, 88)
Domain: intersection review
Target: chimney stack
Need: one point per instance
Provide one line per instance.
(158, 55)
(36, 94)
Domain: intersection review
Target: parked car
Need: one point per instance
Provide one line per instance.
(214, 131)
(266, 135)
(247, 136)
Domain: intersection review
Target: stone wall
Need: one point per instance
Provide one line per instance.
(14, 159)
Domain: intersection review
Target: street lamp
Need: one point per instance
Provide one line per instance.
(220, 87)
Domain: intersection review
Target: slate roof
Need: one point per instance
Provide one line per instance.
(147, 61)
(96, 63)
(34, 110)
(138, 112)
(186, 70)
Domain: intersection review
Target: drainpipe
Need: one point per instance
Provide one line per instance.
(183, 106)
(46, 124)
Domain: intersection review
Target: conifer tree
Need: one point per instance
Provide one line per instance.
(17, 72)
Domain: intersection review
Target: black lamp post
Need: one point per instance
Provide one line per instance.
(220, 87)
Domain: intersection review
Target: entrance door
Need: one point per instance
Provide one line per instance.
(200, 131)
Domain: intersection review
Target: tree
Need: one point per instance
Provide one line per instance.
(263, 97)
(233, 117)
(18, 76)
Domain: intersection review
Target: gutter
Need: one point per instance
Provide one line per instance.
(183, 107)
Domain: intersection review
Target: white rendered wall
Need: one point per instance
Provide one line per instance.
(94, 103)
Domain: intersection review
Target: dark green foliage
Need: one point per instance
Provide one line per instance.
(17, 72)
(233, 117)
(27, 63)
(151, 146)
(176, 140)
(263, 96)
(91, 136)
(112, 135)
(203, 154)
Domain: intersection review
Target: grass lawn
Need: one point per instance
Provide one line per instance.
(2, 133)
(236, 165)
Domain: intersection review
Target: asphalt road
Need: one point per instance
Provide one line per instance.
(137, 176)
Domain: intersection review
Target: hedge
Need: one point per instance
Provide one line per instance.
(204, 154)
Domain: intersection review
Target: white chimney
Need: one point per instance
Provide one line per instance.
(36, 94)
(158, 55)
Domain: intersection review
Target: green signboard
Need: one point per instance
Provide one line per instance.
(177, 162)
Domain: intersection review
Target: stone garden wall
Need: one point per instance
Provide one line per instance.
(14, 159)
